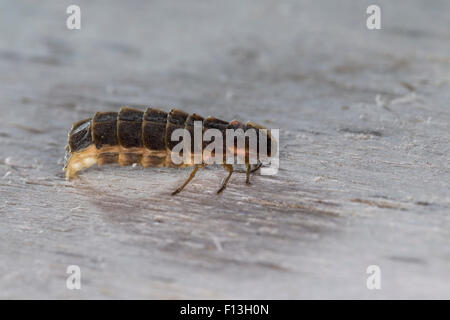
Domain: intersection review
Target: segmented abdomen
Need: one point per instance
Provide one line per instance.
(133, 136)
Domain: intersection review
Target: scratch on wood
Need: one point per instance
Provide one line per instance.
(379, 204)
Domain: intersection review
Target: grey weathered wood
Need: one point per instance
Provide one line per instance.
(364, 177)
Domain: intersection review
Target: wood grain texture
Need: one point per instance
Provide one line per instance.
(364, 174)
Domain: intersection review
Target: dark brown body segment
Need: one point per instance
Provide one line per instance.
(129, 133)
(189, 126)
(104, 129)
(104, 134)
(261, 134)
(80, 136)
(214, 123)
(236, 125)
(154, 129)
(154, 137)
(175, 120)
(129, 127)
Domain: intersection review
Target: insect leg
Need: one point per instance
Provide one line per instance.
(259, 165)
(229, 167)
(191, 176)
(249, 170)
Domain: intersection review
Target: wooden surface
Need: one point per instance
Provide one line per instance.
(364, 167)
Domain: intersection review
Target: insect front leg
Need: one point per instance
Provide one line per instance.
(229, 167)
(249, 170)
(257, 167)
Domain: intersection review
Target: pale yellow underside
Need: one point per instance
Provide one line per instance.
(90, 156)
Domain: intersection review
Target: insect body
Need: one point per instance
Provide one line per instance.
(133, 136)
